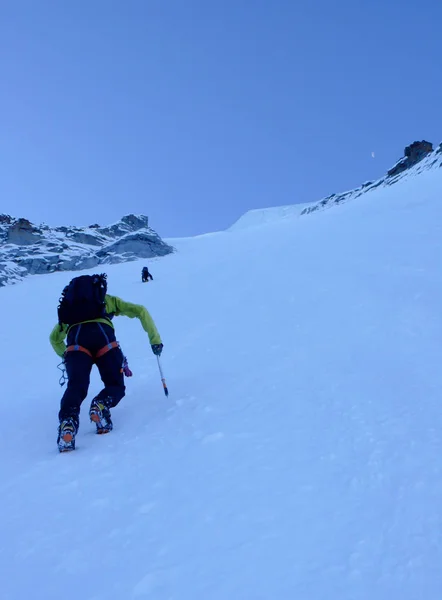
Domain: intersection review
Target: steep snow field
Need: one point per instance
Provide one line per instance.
(299, 453)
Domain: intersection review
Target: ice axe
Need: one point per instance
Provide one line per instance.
(163, 381)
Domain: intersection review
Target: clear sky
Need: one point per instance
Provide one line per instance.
(195, 111)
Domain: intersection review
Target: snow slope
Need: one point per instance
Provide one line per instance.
(261, 216)
(299, 453)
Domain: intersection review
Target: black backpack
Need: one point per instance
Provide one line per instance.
(83, 299)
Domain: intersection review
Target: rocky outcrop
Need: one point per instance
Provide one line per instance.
(22, 233)
(26, 249)
(413, 154)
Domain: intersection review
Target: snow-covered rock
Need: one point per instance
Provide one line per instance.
(418, 158)
(28, 249)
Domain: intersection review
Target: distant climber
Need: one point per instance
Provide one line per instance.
(145, 275)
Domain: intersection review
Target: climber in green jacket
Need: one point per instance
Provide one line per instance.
(85, 319)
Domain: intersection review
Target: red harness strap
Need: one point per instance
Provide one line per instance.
(100, 352)
(80, 348)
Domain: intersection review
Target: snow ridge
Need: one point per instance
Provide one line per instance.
(404, 168)
(397, 173)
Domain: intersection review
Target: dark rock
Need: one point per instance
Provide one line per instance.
(414, 153)
(418, 150)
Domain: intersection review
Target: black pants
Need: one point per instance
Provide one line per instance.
(93, 337)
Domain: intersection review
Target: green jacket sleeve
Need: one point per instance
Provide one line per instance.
(57, 338)
(118, 307)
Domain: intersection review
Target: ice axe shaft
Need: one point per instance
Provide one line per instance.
(163, 380)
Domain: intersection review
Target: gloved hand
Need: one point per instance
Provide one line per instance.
(126, 369)
(157, 349)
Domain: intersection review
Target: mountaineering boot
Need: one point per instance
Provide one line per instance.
(99, 414)
(66, 435)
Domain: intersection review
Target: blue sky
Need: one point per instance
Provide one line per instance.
(195, 111)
